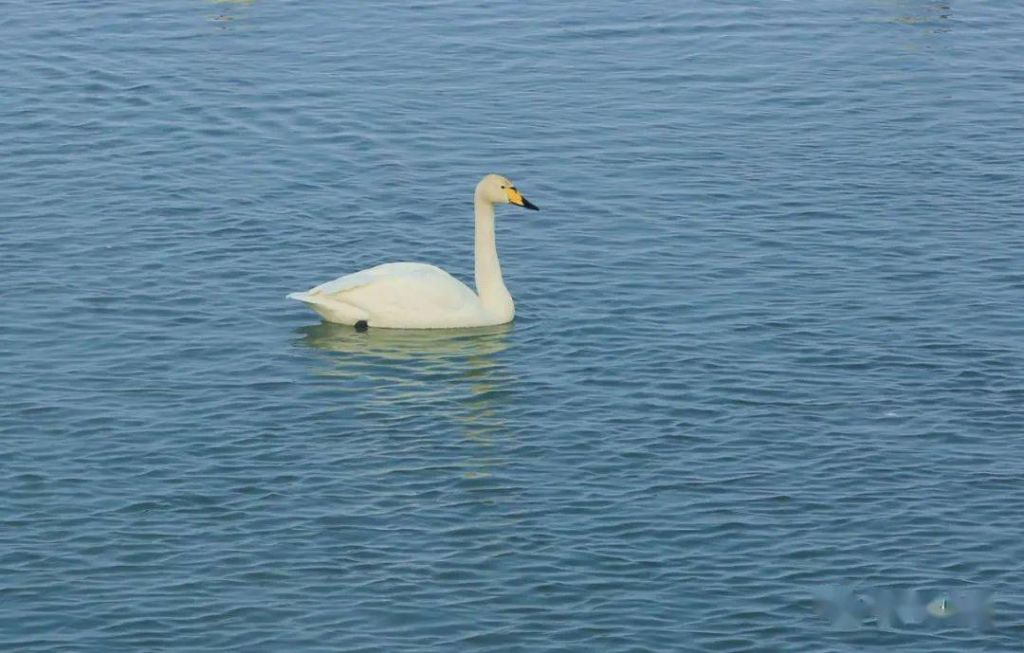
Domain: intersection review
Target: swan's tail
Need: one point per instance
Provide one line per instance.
(306, 297)
(331, 308)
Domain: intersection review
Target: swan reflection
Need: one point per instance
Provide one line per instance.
(456, 374)
(934, 16)
(431, 346)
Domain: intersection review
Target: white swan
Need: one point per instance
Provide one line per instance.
(421, 296)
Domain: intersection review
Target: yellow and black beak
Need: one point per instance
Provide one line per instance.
(515, 198)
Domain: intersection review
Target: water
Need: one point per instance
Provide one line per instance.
(769, 333)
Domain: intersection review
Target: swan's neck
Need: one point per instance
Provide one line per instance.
(489, 284)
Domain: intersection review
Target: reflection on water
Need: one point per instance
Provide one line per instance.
(427, 346)
(455, 368)
(228, 11)
(916, 12)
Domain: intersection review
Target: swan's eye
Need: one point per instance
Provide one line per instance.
(502, 188)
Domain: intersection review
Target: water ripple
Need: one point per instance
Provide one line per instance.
(768, 337)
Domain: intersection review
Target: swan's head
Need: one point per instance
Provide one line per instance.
(499, 190)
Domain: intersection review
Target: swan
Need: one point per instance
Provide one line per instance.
(422, 296)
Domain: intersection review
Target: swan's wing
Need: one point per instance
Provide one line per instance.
(403, 295)
(404, 287)
(367, 276)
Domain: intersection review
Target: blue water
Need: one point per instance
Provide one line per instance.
(770, 336)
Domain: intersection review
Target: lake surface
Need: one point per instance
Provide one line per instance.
(768, 363)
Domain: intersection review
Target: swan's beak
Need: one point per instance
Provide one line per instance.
(515, 198)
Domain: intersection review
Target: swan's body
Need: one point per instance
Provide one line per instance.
(401, 296)
(422, 296)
